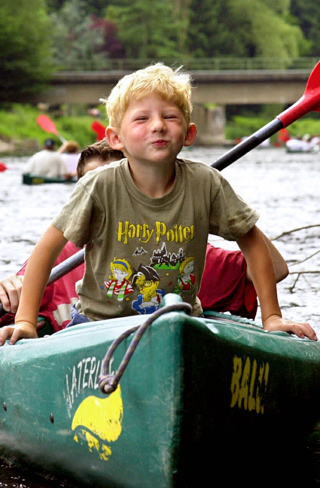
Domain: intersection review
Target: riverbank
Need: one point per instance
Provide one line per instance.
(20, 135)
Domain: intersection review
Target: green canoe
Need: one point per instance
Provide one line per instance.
(202, 402)
(33, 179)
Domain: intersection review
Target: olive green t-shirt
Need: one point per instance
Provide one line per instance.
(139, 248)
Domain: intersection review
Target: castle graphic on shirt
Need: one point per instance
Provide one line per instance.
(143, 286)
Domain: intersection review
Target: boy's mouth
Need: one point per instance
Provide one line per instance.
(160, 143)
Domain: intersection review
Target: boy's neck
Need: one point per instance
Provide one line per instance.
(153, 181)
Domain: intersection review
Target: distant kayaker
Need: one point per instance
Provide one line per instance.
(153, 199)
(70, 154)
(47, 162)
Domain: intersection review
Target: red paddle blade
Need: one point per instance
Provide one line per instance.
(99, 129)
(310, 100)
(47, 124)
(3, 167)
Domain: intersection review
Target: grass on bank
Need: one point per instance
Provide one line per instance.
(20, 123)
(245, 126)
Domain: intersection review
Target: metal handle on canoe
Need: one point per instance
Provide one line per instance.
(108, 382)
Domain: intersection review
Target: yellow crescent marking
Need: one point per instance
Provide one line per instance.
(97, 420)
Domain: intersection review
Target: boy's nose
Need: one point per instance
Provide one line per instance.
(158, 124)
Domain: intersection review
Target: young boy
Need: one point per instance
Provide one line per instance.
(226, 284)
(95, 155)
(149, 208)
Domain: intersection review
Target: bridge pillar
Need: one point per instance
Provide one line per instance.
(211, 125)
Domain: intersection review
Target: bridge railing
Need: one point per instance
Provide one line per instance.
(213, 64)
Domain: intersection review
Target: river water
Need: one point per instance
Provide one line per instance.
(282, 187)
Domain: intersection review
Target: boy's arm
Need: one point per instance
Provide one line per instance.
(261, 270)
(280, 266)
(36, 277)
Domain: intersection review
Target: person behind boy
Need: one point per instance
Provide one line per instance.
(95, 155)
(148, 206)
(226, 283)
(59, 296)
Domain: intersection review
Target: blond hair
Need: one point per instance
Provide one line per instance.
(158, 79)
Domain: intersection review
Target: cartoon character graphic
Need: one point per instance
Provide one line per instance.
(147, 281)
(186, 280)
(119, 283)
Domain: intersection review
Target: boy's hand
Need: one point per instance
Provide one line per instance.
(22, 330)
(302, 330)
(10, 291)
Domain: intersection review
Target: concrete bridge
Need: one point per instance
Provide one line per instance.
(211, 87)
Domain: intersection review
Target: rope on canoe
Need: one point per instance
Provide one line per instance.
(109, 382)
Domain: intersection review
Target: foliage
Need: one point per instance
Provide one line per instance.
(80, 40)
(25, 52)
(307, 15)
(244, 126)
(94, 7)
(147, 29)
(258, 28)
(203, 28)
(87, 34)
(110, 43)
(306, 125)
(76, 128)
(20, 123)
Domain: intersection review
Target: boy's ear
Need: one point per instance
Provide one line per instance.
(190, 135)
(113, 138)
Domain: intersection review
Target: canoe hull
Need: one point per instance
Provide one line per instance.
(34, 179)
(197, 394)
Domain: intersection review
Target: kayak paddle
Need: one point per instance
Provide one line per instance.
(99, 129)
(60, 270)
(67, 265)
(310, 101)
(49, 126)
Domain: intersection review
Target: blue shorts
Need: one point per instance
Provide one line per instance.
(76, 317)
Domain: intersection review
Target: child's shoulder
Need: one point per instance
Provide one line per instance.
(197, 168)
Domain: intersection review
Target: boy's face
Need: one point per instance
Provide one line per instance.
(95, 163)
(153, 130)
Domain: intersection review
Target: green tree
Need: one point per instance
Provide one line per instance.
(251, 28)
(182, 12)
(91, 7)
(54, 5)
(147, 29)
(25, 49)
(271, 34)
(78, 38)
(307, 15)
(212, 31)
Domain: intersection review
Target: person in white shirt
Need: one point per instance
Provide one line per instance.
(47, 162)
